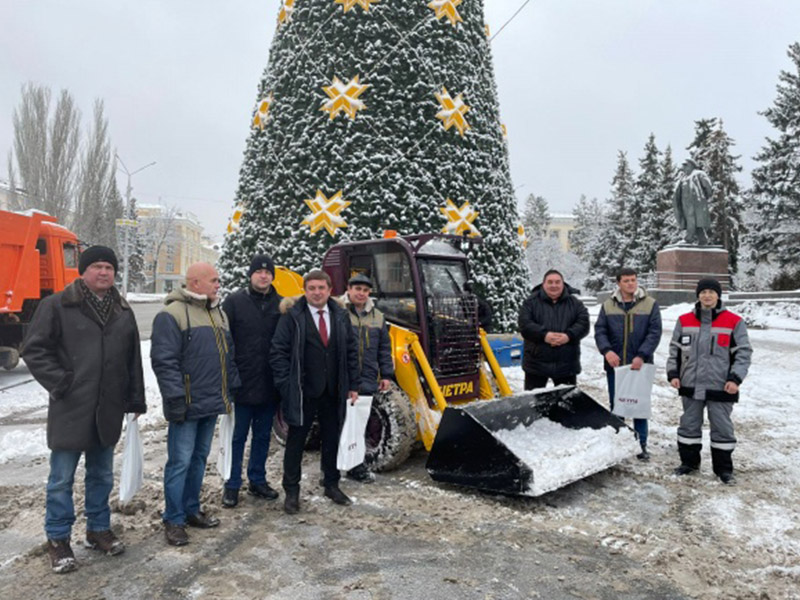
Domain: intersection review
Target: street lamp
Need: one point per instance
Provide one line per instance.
(127, 225)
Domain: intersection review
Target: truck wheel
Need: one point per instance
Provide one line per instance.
(391, 430)
(281, 429)
(11, 359)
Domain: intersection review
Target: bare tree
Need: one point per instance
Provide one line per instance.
(98, 204)
(46, 149)
(155, 233)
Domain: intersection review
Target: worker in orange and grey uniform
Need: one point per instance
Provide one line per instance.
(709, 356)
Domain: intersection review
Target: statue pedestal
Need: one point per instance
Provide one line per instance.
(680, 266)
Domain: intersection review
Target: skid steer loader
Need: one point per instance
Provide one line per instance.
(448, 380)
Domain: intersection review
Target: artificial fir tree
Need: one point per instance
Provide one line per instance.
(775, 235)
(536, 216)
(372, 115)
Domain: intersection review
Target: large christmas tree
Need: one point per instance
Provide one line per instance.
(374, 115)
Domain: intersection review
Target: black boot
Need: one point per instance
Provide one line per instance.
(723, 465)
(291, 504)
(644, 455)
(690, 457)
(230, 498)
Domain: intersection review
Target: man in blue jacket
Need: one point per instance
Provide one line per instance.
(627, 332)
(192, 356)
(314, 362)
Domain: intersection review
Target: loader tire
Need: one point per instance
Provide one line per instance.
(280, 430)
(391, 430)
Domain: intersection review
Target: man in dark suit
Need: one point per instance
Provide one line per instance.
(314, 362)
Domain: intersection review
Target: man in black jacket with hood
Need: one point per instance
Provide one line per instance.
(552, 320)
(253, 314)
(314, 362)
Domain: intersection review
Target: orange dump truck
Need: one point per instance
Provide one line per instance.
(38, 257)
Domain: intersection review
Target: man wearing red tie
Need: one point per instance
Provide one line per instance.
(314, 361)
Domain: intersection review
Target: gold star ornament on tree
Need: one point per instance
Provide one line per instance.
(446, 8)
(344, 97)
(452, 112)
(325, 212)
(285, 14)
(233, 224)
(262, 112)
(523, 239)
(459, 220)
(348, 4)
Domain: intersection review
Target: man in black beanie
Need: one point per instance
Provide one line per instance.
(83, 348)
(253, 314)
(709, 356)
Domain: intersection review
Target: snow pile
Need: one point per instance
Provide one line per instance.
(146, 298)
(781, 315)
(23, 443)
(558, 455)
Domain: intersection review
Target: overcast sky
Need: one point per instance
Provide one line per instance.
(578, 81)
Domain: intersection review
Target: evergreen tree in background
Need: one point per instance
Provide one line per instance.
(711, 149)
(775, 235)
(392, 108)
(536, 217)
(669, 232)
(652, 215)
(586, 238)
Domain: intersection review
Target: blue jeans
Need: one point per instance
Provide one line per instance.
(188, 445)
(99, 479)
(257, 418)
(640, 426)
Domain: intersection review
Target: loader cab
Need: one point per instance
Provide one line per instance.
(418, 283)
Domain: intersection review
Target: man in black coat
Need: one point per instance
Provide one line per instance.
(552, 321)
(83, 348)
(314, 362)
(253, 314)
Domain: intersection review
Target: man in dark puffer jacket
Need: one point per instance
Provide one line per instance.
(552, 321)
(253, 314)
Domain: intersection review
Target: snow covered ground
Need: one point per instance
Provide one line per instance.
(702, 538)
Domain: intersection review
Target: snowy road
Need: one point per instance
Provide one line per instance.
(634, 531)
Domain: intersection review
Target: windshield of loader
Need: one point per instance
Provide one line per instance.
(443, 277)
(395, 287)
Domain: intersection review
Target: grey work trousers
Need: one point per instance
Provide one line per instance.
(690, 429)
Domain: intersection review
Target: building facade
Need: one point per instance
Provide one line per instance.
(171, 240)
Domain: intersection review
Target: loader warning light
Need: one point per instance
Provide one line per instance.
(389, 233)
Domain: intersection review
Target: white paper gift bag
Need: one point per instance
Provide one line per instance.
(352, 446)
(632, 391)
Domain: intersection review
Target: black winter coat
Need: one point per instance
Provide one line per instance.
(252, 318)
(538, 316)
(288, 364)
(93, 372)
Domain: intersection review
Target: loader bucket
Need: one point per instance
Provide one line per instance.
(530, 443)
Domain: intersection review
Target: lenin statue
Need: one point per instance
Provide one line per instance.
(690, 202)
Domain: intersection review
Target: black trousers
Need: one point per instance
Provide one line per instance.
(326, 409)
(539, 381)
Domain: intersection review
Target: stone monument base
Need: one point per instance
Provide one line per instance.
(680, 266)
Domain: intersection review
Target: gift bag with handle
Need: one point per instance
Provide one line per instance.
(632, 392)
(352, 447)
